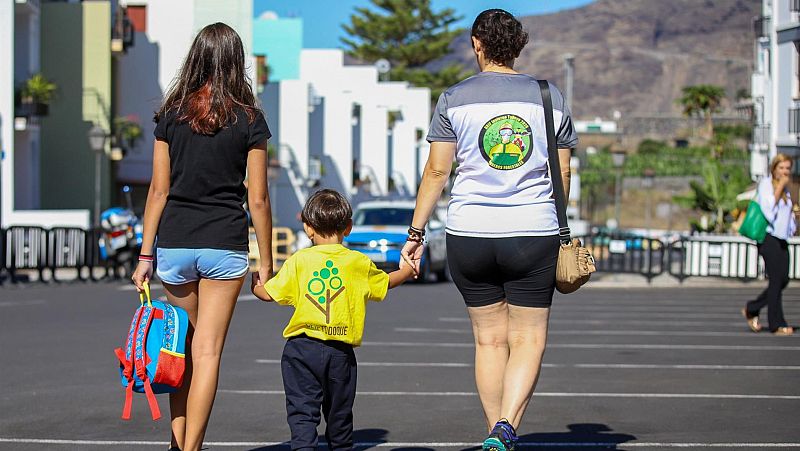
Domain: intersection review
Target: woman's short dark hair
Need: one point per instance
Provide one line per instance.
(501, 35)
(327, 212)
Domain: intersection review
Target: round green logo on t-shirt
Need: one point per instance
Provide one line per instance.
(505, 142)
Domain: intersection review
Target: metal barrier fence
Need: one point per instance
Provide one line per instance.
(45, 252)
(724, 256)
(620, 253)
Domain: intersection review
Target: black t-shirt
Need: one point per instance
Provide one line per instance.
(206, 195)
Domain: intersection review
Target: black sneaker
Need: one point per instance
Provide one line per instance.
(502, 438)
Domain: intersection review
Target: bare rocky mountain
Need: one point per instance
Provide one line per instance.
(635, 55)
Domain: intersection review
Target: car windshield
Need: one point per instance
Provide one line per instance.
(383, 216)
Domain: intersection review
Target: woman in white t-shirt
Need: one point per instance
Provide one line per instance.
(776, 204)
(502, 229)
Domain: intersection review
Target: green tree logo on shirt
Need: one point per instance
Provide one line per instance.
(505, 142)
(323, 288)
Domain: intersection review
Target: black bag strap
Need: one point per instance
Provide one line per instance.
(555, 165)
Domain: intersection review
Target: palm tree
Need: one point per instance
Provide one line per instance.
(702, 100)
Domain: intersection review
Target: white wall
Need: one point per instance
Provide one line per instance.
(6, 110)
(8, 215)
(293, 111)
(342, 86)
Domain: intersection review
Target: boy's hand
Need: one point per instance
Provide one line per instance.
(257, 287)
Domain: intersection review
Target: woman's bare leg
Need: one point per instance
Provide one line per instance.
(184, 296)
(216, 301)
(527, 337)
(490, 329)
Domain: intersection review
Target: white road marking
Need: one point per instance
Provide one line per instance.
(682, 323)
(22, 303)
(679, 333)
(594, 346)
(392, 364)
(43, 441)
(544, 394)
(618, 366)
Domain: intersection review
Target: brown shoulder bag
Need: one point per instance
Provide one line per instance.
(575, 262)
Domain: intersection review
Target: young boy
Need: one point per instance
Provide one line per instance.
(329, 286)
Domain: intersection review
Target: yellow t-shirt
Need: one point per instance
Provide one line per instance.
(328, 286)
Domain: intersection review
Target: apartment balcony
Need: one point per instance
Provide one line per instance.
(761, 27)
(761, 138)
(794, 121)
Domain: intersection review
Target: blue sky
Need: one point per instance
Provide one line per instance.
(322, 19)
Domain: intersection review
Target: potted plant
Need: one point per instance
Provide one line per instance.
(272, 156)
(35, 96)
(127, 130)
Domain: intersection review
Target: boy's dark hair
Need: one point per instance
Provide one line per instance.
(328, 212)
(501, 35)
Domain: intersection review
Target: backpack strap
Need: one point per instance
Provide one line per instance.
(140, 353)
(125, 358)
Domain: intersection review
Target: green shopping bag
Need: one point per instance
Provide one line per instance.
(755, 223)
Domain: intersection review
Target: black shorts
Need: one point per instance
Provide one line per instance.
(521, 269)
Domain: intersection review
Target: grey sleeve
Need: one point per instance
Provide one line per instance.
(566, 136)
(441, 130)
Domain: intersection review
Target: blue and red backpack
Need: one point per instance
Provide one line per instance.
(153, 359)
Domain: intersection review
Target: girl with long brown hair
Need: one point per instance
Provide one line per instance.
(210, 134)
(776, 204)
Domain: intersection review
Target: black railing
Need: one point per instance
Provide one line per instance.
(44, 252)
(618, 253)
(794, 6)
(761, 26)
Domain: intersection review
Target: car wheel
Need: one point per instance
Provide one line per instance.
(425, 269)
(443, 274)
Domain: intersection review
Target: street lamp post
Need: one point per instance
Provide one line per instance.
(618, 158)
(647, 183)
(97, 142)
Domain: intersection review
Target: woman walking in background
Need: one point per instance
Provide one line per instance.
(502, 229)
(776, 204)
(210, 133)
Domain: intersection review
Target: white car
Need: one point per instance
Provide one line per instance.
(380, 229)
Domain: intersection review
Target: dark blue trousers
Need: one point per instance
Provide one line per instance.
(319, 376)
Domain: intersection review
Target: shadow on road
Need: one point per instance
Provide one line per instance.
(582, 436)
(363, 439)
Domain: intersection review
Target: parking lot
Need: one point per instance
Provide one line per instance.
(626, 368)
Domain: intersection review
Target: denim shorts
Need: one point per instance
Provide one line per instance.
(179, 266)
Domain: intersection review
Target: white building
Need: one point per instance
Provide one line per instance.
(342, 119)
(776, 84)
(20, 133)
(163, 33)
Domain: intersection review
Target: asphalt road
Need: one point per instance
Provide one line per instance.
(626, 368)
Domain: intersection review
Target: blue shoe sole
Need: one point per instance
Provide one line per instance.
(493, 444)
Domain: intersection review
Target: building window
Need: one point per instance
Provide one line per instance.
(138, 17)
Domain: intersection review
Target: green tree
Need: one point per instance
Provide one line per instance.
(702, 101)
(410, 35)
(717, 194)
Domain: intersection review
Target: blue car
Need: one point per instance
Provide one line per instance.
(380, 229)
